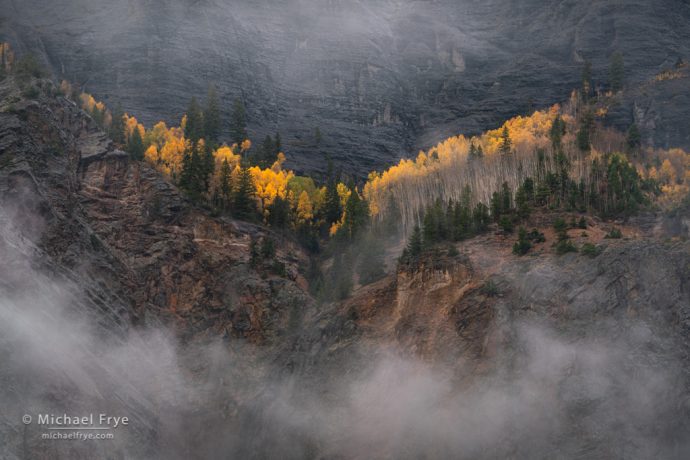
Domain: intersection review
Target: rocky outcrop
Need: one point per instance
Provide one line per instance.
(379, 79)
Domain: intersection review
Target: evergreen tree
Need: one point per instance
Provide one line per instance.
(557, 132)
(616, 72)
(238, 123)
(506, 144)
(212, 116)
(522, 202)
(430, 228)
(193, 175)
(266, 155)
(506, 198)
(414, 246)
(584, 133)
(243, 200)
(117, 126)
(279, 213)
(356, 214)
(634, 138)
(480, 217)
(333, 207)
(208, 166)
(194, 127)
(523, 245)
(496, 206)
(225, 183)
(587, 87)
(278, 144)
(135, 145)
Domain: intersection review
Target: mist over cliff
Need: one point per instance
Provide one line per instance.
(379, 79)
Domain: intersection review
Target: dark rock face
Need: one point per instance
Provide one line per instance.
(379, 79)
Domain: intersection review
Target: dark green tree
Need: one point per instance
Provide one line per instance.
(480, 217)
(135, 145)
(506, 198)
(238, 122)
(506, 144)
(194, 127)
(585, 132)
(415, 244)
(616, 72)
(523, 244)
(243, 200)
(633, 138)
(225, 185)
(587, 87)
(333, 207)
(211, 116)
(117, 126)
(496, 206)
(356, 214)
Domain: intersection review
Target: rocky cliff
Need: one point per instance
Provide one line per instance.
(119, 295)
(380, 79)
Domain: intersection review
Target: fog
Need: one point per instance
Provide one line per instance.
(546, 393)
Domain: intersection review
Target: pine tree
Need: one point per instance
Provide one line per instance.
(496, 206)
(616, 72)
(414, 246)
(225, 183)
(238, 123)
(194, 127)
(135, 145)
(587, 80)
(356, 213)
(208, 166)
(522, 202)
(278, 144)
(279, 213)
(480, 217)
(266, 155)
(211, 116)
(557, 132)
(333, 207)
(506, 144)
(584, 133)
(523, 245)
(634, 138)
(117, 126)
(243, 200)
(506, 198)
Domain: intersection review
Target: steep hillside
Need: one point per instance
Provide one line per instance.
(379, 79)
(120, 295)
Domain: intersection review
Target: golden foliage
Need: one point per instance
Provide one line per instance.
(305, 210)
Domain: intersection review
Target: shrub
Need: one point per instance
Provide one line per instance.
(565, 246)
(559, 225)
(490, 289)
(536, 236)
(582, 223)
(506, 224)
(523, 245)
(452, 251)
(590, 250)
(31, 92)
(614, 233)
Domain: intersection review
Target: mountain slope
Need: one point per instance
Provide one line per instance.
(119, 295)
